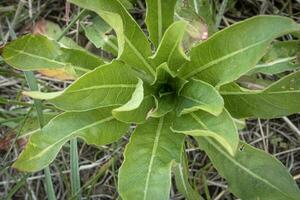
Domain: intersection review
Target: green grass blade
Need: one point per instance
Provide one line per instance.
(38, 105)
(75, 177)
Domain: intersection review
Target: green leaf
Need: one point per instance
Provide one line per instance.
(251, 173)
(181, 172)
(96, 127)
(148, 158)
(97, 33)
(199, 95)
(108, 85)
(82, 61)
(53, 31)
(170, 49)
(134, 47)
(222, 128)
(138, 115)
(234, 51)
(159, 17)
(35, 52)
(282, 56)
(164, 105)
(279, 99)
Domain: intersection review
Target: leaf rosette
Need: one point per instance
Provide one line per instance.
(169, 94)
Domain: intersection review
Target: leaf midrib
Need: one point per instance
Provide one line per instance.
(216, 61)
(22, 52)
(140, 57)
(102, 87)
(67, 136)
(260, 92)
(274, 62)
(153, 154)
(32, 55)
(245, 168)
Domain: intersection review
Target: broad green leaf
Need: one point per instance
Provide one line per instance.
(138, 115)
(234, 51)
(164, 105)
(170, 49)
(199, 95)
(97, 33)
(97, 127)
(159, 17)
(35, 52)
(200, 123)
(148, 158)
(279, 99)
(181, 172)
(282, 56)
(108, 85)
(134, 47)
(251, 173)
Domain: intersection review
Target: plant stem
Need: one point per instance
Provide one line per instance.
(39, 109)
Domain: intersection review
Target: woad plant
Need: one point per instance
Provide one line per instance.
(169, 93)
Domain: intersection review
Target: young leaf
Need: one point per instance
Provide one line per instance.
(199, 95)
(234, 51)
(109, 85)
(146, 170)
(134, 47)
(222, 128)
(164, 105)
(35, 52)
(170, 49)
(279, 99)
(159, 17)
(138, 115)
(251, 173)
(96, 127)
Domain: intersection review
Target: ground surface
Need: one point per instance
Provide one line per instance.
(99, 166)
